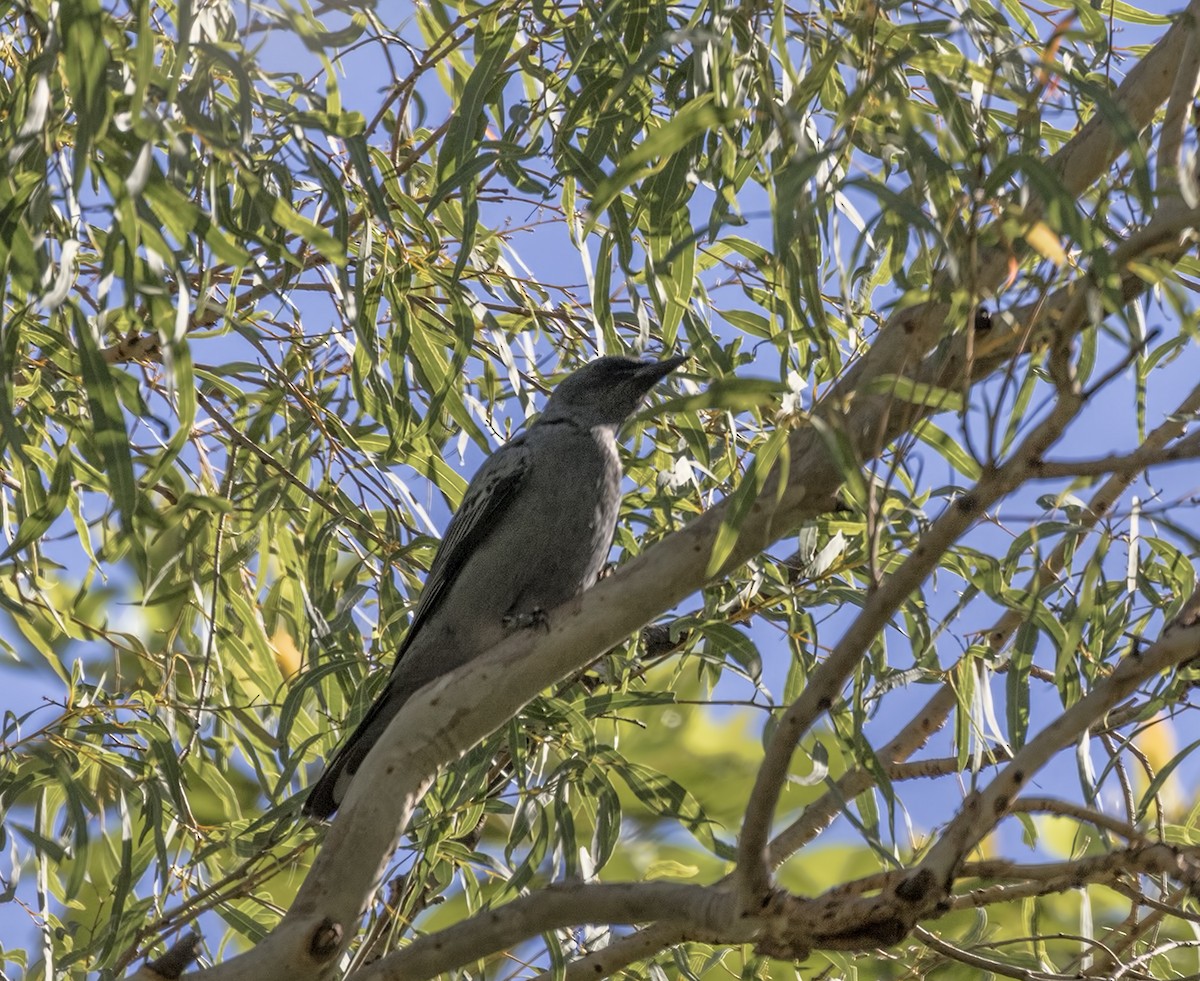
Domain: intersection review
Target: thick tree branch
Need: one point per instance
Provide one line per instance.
(792, 927)
(1080, 162)
(753, 871)
(1137, 461)
(450, 716)
(710, 913)
(1175, 180)
(702, 910)
(1085, 815)
(1153, 858)
(1084, 158)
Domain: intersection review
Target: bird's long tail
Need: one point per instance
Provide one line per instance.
(327, 793)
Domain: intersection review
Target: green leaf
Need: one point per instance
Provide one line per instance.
(918, 393)
(740, 503)
(657, 150)
(733, 394)
(459, 162)
(38, 521)
(727, 641)
(108, 422)
(309, 231)
(949, 449)
(84, 60)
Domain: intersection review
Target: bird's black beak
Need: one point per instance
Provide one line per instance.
(652, 372)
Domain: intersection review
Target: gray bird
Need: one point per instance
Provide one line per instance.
(533, 530)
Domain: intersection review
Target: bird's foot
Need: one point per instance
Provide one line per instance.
(522, 621)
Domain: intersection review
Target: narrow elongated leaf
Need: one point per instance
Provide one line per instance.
(752, 485)
(108, 422)
(38, 522)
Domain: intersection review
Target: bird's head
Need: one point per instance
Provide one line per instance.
(606, 391)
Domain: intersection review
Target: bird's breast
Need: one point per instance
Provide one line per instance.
(565, 517)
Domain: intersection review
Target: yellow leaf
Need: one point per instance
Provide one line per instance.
(1158, 744)
(287, 654)
(1157, 741)
(666, 869)
(1046, 243)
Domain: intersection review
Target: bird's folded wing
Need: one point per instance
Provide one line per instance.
(488, 496)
